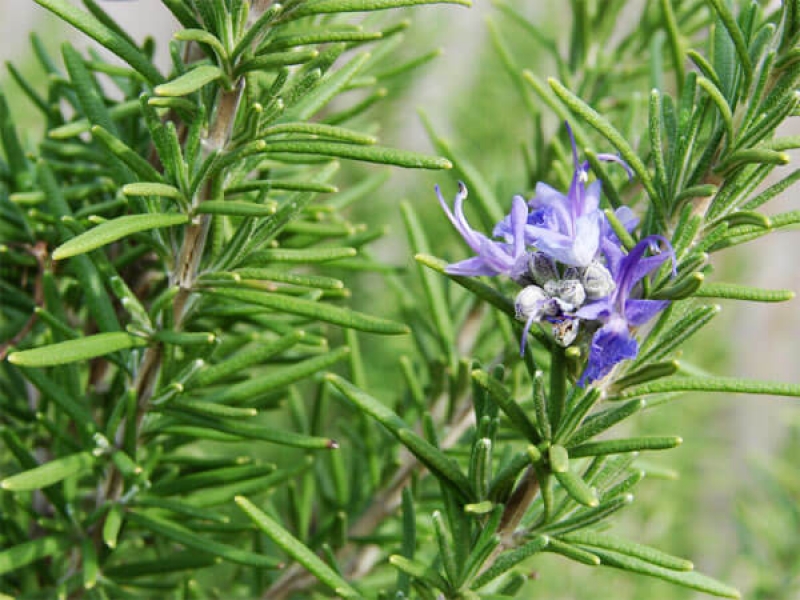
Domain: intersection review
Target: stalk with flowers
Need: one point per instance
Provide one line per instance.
(191, 405)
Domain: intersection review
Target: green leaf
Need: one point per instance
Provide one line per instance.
(729, 21)
(480, 289)
(297, 550)
(304, 256)
(89, 563)
(213, 409)
(616, 544)
(112, 526)
(202, 36)
(90, 99)
(626, 445)
(485, 198)
(189, 82)
(713, 384)
(176, 533)
(604, 128)
(115, 229)
(373, 407)
(187, 560)
(722, 105)
(139, 165)
(743, 292)
(49, 473)
(748, 156)
(248, 431)
(279, 378)
(315, 310)
(275, 60)
(419, 571)
(104, 36)
(510, 559)
(572, 552)
(151, 189)
(688, 579)
(76, 350)
(236, 208)
(24, 554)
(431, 283)
(242, 360)
(314, 281)
(316, 7)
(604, 420)
(321, 130)
(431, 456)
(587, 517)
(438, 462)
(208, 477)
(507, 403)
(55, 392)
(326, 90)
(373, 154)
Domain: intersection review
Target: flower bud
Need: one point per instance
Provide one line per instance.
(530, 302)
(542, 268)
(597, 281)
(569, 291)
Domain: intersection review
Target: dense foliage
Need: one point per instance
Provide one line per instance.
(186, 407)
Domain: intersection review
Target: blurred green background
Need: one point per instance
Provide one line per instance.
(734, 507)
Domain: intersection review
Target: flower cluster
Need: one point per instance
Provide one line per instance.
(575, 274)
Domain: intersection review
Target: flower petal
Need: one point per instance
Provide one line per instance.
(639, 312)
(611, 345)
(471, 267)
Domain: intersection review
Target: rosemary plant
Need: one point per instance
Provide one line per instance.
(186, 408)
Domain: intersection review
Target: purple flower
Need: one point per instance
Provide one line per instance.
(568, 228)
(619, 312)
(493, 257)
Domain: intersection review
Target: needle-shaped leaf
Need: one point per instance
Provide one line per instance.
(485, 198)
(420, 571)
(604, 127)
(743, 292)
(317, 7)
(189, 82)
(25, 553)
(373, 154)
(116, 229)
(623, 546)
(510, 559)
(76, 350)
(625, 445)
(431, 282)
(249, 431)
(713, 384)
(49, 473)
(507, 403)
(236, 208)
(242, 360)
(297, 550)
(325, 90)
(187, 560)
(102, 34)
(280, 378)
(151, 189)
(316, 310)
(136, 163)
(302, 256)
(182, 535)
(688, 579)
(432, 457)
